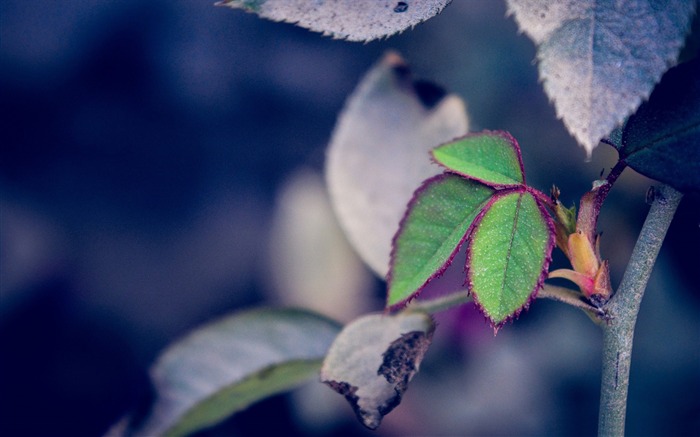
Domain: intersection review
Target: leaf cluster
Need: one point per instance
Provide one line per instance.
(482, 200)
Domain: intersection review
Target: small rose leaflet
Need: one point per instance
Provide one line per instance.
(509, 254)
(492, 158)
(431, 232)
(481, 199)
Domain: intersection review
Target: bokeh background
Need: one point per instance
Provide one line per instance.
(154, 158)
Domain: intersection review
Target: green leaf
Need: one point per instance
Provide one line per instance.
(225, 366)
(599, 59)
(354, 20)
(662, 139)
(380, 153)
(492, 158)
(508, 254)
(374, 358)
(435, 225)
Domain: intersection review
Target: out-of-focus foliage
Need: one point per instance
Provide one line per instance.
(379, 153)
(225, 366)
(311, 263)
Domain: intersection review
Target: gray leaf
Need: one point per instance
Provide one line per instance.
(312, 265)
(354, 20)
(227, 365)
(379, 153)
(599, 59)
(373, 359)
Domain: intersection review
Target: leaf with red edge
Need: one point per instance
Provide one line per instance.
(490, 157)
(509, 253)
(435, 225)
(354, 20)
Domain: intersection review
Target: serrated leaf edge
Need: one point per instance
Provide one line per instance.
(439, 272)
(505, 135)
(336, 35)
(545, 266)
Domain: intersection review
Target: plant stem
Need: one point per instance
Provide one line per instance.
(548, 291)
(622, 312)
(572, 298)
(443, 303)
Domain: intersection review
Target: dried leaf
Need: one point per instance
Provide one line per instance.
(374, 358)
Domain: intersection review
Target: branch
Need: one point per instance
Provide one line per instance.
(622, 311)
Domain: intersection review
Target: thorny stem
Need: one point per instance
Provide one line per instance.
(622, 312)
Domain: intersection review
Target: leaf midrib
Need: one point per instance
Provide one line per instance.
(510, 248)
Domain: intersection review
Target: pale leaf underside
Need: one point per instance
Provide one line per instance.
(599, 59)
(380, 153)
(228, 364)
(354, 20)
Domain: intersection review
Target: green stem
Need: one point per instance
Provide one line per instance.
(548, 291)
(622, 312)
(439, 304)
(571, 297)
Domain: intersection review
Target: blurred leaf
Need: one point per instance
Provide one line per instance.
(600, 58)
(662, 139)
(492, 158)
(374, 358)
(225, 366)
(508, 254)
(354, 20)
(434, 227)
(379, 153)
(311, 263)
